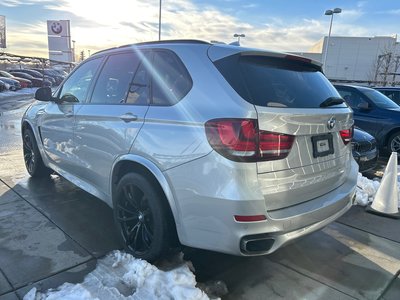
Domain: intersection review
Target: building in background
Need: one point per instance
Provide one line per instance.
(59, 37)
(365, 60)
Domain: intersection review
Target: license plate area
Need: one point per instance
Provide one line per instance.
(322, 145)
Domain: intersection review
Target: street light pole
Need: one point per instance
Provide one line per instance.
(329, 12)
(159, 23)
(73, 50)
(238, 36)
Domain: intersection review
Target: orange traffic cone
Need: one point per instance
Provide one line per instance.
(386, 199)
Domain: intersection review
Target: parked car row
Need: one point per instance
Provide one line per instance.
(376, 114)
(15, 79)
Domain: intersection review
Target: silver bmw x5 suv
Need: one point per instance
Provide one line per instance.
(211, 146)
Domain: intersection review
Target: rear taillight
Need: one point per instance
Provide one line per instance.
(347, 135)
(241, 140)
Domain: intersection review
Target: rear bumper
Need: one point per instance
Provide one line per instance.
(208, 199)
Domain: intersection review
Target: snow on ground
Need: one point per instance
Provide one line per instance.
(366, 189)
(120, 276)
(25, 91)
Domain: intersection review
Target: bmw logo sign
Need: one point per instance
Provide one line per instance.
(56, 27)
(331, 123)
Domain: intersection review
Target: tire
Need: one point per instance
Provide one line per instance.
(142, 218)
(32, 158)
(394, 142)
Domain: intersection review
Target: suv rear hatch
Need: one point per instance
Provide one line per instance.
(295, 103)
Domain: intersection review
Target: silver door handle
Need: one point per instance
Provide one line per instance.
(128, 117)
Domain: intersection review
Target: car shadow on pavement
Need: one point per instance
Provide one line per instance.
(337, 262)
(50, 232)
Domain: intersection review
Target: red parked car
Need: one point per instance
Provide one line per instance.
(25, 83)
(37, 82)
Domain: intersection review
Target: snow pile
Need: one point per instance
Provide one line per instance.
(121, 276)
(366, 190)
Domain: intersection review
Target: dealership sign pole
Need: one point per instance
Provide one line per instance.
(59, 38)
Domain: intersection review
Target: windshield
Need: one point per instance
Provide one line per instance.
(278, 82)
(380, 99)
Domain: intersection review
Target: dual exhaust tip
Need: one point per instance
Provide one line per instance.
(256, 244)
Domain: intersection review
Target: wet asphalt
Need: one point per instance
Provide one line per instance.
(52, 232)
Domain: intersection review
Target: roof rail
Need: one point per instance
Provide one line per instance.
(155, 43)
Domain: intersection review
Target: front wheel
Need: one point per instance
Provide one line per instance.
(32, 158)
(142, 218)
(394, 142)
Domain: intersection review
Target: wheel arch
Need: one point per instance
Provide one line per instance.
(133, 163)
(25, 125)
(389, 134)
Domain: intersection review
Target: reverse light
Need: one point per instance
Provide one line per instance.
(241, 140)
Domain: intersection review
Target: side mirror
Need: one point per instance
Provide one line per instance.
(364, 106)
(44, 94)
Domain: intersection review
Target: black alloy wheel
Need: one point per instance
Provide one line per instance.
(142, 217)
(33, 161)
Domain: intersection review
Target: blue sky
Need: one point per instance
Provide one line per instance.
(287, 25)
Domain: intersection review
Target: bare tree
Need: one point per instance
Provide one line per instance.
(82, 55)
(385, 64)
(396, 67)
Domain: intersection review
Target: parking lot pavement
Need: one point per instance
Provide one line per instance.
(14, 100)
(52, 232)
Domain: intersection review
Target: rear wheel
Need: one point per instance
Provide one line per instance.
(142, 218)
(33, 160)
(394, 142)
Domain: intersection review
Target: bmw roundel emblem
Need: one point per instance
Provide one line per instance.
(331, 123)
(56, 27)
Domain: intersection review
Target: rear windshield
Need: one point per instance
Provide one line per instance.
(277, 82)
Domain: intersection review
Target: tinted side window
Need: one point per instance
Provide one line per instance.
(139, 91)
(113, 83)
(77, 85)
(171, 81)
(394, 95)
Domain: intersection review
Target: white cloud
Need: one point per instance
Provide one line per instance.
(15, 3)
(394, 11)
(361, 3)
(250, 5)
(351, 14)
(103, 25)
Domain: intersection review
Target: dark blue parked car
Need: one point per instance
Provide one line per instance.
(391, 92)
(375, 113)
(365, 151)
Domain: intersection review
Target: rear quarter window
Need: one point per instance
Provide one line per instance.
(277, 82)
(170, 79)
